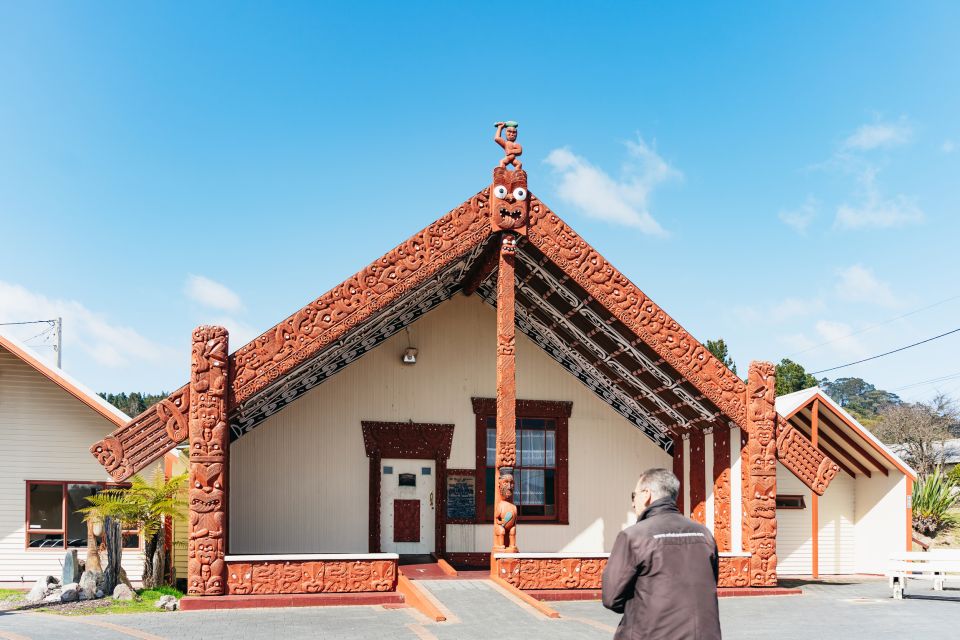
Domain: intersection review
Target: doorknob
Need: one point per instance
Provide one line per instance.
(431, 499)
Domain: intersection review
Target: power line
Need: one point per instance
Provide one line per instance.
(945, 378)
(874, 326)
(53, 321)
(849, 364)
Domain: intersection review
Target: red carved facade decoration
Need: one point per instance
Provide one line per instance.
(761, 464)
(413, 441)
(678, 469)
(552, 573)
(504, 511)
(798, 454)
(698, 478)
(734, 572)
(721, 487)
(555, 239)
(209, 443)
(406, 521)
(321, 576)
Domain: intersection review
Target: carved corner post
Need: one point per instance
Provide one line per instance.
(761, 465)
(209, 447)
(505, 512)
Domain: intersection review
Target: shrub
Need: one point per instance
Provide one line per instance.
(933, 495)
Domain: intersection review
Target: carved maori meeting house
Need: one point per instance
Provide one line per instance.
(487, 392)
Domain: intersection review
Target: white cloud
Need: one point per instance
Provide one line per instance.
(875, 211)
(800, 218)
(858, 284)
(791, 308)
(211, 294)
(879, 134)
(625, 201)
(111, 345)
(838, 335)
(948, 146)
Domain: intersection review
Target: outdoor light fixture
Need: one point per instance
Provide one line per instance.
(410, 353)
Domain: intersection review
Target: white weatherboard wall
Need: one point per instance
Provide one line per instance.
(794, 546)
(299, 481)
(838, 535)
(881, 520)
(46, 435)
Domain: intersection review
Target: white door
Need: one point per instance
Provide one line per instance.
(407, 506)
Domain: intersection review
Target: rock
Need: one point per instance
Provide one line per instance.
(169, 603)
(53, 596)
(99, 593)
(71, 567)
(123, 592)
(42, 588)
(88, 585)
(70, 592)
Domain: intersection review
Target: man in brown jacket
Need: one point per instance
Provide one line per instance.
(662, 572)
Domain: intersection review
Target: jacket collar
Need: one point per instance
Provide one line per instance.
(663, 505)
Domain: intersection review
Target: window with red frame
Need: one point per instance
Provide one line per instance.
(53, 517)
(540, 473)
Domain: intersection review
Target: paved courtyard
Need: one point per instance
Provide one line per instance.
(849, 611)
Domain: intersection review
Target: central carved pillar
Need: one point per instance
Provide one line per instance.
(209, 448)
(761, 464)
(505, 512)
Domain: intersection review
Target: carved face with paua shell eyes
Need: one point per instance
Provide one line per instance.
(509, 200)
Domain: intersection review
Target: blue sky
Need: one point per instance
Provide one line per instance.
(779, 175)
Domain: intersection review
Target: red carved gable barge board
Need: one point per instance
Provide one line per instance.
(290, 344)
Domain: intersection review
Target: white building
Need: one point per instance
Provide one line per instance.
(47, 422)
(864, 515)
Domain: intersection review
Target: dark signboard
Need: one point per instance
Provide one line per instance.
(461, 497)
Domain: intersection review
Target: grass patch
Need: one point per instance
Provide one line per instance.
(145, 603)
(10, 593)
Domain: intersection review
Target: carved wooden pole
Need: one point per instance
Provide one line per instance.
(505, 512)
(761, 465)
(209, 447)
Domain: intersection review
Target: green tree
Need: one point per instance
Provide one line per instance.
(146, 505)
(791, 377)
(719, 349)
(860, 398)
(135, 403)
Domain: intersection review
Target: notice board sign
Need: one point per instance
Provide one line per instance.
(461, 496)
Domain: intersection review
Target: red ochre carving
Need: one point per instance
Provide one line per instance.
(328, 576)
(280, 349)
(761, 499)
(678, 469)
(734, 572)
(585, 573)
(207, 539)
(698, 480)
(505, 512)
(552, 573)
(799, 455)
(721, 487)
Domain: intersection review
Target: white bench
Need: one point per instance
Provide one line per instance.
(937, 566)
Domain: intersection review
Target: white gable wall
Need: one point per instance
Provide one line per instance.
(299, 481)
(46, 435)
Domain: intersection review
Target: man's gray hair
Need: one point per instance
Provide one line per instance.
(660, 483)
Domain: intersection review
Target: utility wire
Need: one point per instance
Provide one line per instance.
(874, 326)
(849, 364)
(30, 322)
(944, 378)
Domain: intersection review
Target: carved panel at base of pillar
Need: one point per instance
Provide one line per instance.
(552, 573)
(328, 576)
(735, 572)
